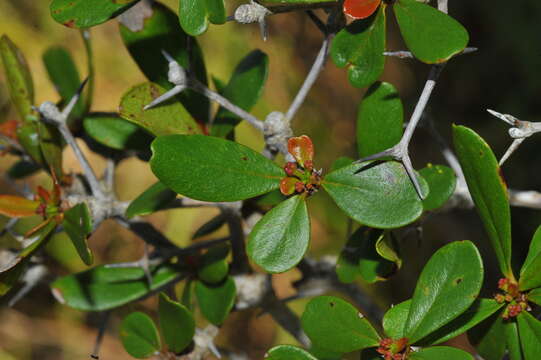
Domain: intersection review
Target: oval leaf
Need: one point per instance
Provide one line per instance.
(441, 182)
(116, 133)
(155, 198)
(488, 191)
(162, 32)
(167, 118)
(103, 288)
(379, 119)
(529, 274)
(448, 285)
(194, 15)
(395, 318)
(139, 335)
(78, 225)
(288, 352)
(16, 206)
(213, 266)
(334, 324)
(378, 195)
(84, 14)
(216, 301)
(19, 79)
(432, 36)
(177, 324)
(360, 9)
(535, 296)
(212, 169)
(244, 89)
(279, 240)
(360, 46)
(440, 353)
(530, 335)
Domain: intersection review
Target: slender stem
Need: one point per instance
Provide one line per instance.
(85, 34)
(317, 21)
(408, 55)
(316, 69)
(240, 258)
(101, 331)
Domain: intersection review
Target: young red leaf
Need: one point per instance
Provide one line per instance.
(302, 149)
(287, 185)
(16, 206)
(360, 9)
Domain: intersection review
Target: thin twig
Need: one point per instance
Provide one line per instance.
(101, 331)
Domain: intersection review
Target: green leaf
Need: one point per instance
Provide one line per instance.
(63, 74)
(116, 133)
(360, 46)
(17, 206)
(212, 169)
(210, 226)
(530, 335)
(513, 341)
(244, 89)
(22, 169)
(139, 335)
(28, 137)
(441, 182)
(288, 352)
(177, 324)
(195, 15)
(447, 286)
(531, 268)
(488, 191)
(279, 240)
(161, 31)
(341, 162)
(395, 318)
(51, 146)
(102, 288)
(166, 119)
(387, 248)
(155, 198)
(347, 266)
(480, 310)
(535, 296)
(489, 337)
(378, 195)
(372, 266)
(12, 269)
(432, 36)
(78, 225)
(379, 119)
(213, 266)
(84, 13)
(334, 324)
(216, 301)
(440, 353)
(18, 78)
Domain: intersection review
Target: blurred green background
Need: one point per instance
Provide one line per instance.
(503, 75)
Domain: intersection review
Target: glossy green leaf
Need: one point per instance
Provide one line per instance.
(12, 269)
(195, 15)
(213, 266)
(334, 324)
(440, 353)
(155, 198)
(360, 46)
(84, 14)
(372, 266)
(480, 310)
(139, 335)
(51, 146)
(531, 268)
(212, 169)
(395, 318)
(341, 162)
(102, 288)
(530, 335)
(441, 182)
(116, 133)
(288, 352)
(280, 239)
(78, 225)
(432, 36)
(387, 248)
(165, 119)
(17, 206)
(22, 169)
(447, 286)
(64, 75)
(210, 226)
(378, 195)
(28, 137)
(513, 341)
(535, 296)
(177, 324)
(18, 78)
(488, 191)
(489, 337)
(244, 89)
(216, 301)
(379, 119)
(161, 31)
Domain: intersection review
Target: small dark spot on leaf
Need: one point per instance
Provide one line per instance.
(245, 158)
(331, 304)
(481, 153)
(70, 23)
(458, 281)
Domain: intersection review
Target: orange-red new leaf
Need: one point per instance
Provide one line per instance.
(360, 9)
(17, 206)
